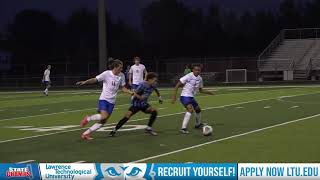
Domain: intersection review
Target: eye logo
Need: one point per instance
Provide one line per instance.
(134, 171)
(112, 171)
(125, 172)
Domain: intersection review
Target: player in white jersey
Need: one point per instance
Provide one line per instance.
(136, 73)
(191, 83)
(46, 80)
(112, 81)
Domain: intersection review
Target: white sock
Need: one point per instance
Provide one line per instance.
(198, 118)
(96, 117)
(186, 120)
(93, 128)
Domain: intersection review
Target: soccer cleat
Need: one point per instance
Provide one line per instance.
(184, 131)
(86, 137)
(199, 126)
(151, 131)
(84, 121)
(112, 133)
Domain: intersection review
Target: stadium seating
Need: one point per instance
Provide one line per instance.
(292, 54)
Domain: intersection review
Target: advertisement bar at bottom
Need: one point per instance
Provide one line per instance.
(127, 171)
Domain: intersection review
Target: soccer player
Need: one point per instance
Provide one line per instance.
(136, 73)
(112, 81)
(140, 103)
(46, 80)
(191, 83)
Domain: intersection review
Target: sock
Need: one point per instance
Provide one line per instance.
(96, 117)
(93, 128)
(186, 120)
(198, 118)
(152, 118)
(121, 123)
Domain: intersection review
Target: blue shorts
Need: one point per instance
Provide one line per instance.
(105, 106)
(185, 101)
(46, 83)
(134, 86)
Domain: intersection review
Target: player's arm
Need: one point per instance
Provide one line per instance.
(145, 73)
(159, 96)
(175, 91)
(86, 82)
(204, 91)
(126, 90)
(130, 76)
(44, 74)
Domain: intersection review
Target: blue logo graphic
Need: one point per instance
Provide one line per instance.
(125, 171)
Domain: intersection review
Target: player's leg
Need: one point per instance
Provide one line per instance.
(104, 117)
(105, 110)
(187, 103)
(186, 119)
(128, 115)
(102, 106)
(198, 124)
(197, 110)
(153, 116)
(46, 84)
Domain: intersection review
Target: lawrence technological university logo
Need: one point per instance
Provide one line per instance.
(19, 172)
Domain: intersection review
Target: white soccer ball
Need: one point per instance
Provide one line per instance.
(207, 130)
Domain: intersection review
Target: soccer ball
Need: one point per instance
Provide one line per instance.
(207, 130)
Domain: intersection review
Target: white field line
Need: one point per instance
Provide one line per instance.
(226, 138)
(27, 161)
(78, 110)
(165, 115)
(161, 89)
(294, 107)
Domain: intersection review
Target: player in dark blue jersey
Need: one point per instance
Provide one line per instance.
(140, 103)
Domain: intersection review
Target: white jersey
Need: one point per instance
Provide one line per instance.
(46, 75)
(111, 84)
(192, 84)
(137, 73)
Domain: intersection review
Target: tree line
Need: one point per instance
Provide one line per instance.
(169, 29)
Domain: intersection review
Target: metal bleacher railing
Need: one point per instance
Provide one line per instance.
(269, 64)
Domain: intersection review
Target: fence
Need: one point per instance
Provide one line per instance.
(169, 70)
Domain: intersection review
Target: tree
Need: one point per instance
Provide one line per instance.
(290, 15)
(170, 28)
(32, 35)
(80, 35)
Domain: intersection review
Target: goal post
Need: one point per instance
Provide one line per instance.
(236, 75)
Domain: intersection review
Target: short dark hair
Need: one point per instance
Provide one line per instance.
(136, 57)
(115, 63)
(196, 65)
(151, 75)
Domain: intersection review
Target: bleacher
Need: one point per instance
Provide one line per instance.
(291, 54)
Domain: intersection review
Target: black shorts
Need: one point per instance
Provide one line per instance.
(135, 109)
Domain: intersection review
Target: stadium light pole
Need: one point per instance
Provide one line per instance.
(102, 35)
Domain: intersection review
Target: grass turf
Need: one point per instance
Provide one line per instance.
(53, 134)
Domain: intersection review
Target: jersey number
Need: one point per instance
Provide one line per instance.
(113, 83)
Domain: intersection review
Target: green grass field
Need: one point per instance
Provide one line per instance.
(251, 124)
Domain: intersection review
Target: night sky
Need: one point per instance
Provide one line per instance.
(128, 10)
